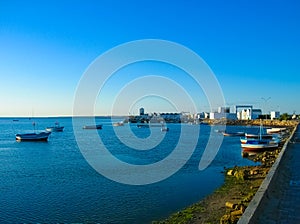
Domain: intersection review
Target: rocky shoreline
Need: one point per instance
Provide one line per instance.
(228, 203)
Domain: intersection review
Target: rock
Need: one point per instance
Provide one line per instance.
(230, 205)
(230, 172)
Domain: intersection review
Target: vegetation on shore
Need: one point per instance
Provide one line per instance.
(227, 204)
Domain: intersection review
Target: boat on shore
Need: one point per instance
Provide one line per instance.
(97, 126)
(56, 128)
(41, 136)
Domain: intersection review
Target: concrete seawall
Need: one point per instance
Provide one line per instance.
(262, 194)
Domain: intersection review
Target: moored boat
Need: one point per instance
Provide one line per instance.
(117, 124)
(257, 136)
(232, 134)
(259, 144)
(275, 130)
(97, 126)
(56, 128)
(42, 136)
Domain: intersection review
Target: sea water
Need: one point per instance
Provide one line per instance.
(50, 182)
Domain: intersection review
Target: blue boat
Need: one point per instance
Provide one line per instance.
(42, 136)
(56, 128)
(97, 126)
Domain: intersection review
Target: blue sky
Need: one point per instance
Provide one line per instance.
(45, 46)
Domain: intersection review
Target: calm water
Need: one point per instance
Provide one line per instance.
(52, 182)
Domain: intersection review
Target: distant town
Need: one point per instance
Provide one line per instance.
(241, 112)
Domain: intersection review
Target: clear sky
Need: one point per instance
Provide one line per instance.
(252, 46)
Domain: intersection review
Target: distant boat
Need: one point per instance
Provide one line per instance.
(97, 126)
(42, 136)
(56, 128)
(233, 134)
(117, 124)
(164, 129)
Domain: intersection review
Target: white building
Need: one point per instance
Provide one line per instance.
(274, 115)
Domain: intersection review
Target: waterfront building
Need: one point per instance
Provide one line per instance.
(142, 111)
(256, 113)
(244, 112)
(274, 115)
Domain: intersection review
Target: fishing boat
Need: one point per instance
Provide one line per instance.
(97, 126)
(56, 128)
(260, 143)
(233, 134)
(42, 136)
(257, 145)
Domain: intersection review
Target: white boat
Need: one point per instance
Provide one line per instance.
(275, 130)
(258, 144)
(42, 136)
(233, 134)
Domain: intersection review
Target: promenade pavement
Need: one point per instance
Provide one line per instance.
(282, 201)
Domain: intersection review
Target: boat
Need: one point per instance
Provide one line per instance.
(97, 126)
(42, 136)
(257, 136)
(257, 145)
(260, 143)
(164, 129)
(275, 130)
(56, 128)
(117, 124)
(233, 134)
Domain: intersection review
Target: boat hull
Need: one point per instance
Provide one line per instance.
(98, 126)
(54, 129)
(233, 134)
(33, 137)
(258, 147)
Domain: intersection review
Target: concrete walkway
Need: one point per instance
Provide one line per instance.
(281, 201)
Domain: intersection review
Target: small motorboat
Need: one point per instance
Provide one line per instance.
(56, 128)
(42, 136)
(97, 126)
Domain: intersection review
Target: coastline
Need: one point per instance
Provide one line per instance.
(228, 203)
